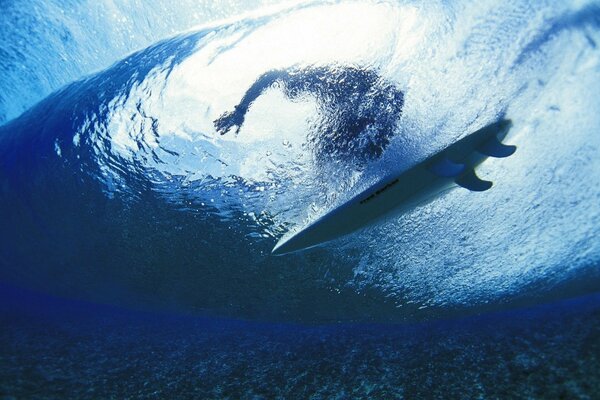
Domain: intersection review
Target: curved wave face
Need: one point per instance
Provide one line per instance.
(165, 180)
(45, 44)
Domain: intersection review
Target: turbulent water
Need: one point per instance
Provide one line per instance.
(121, 188)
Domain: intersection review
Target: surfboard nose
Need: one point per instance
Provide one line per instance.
(314, 234)
(280, 249)
(288, 245)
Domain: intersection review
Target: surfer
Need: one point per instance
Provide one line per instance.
(359, 110)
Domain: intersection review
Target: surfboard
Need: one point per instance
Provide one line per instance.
(452, 166)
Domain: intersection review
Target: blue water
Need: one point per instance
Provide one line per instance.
(127, 207)
(64, 349)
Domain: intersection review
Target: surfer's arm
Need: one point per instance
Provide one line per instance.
(236, 117)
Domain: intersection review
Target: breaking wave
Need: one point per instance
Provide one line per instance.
(121, 188)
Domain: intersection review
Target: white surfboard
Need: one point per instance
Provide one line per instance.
(416, 185)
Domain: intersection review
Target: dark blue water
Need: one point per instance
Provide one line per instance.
(53, 348)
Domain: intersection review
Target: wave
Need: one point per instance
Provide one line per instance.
(45, 44)
(121, 187)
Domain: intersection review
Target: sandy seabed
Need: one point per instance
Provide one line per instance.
(52, 348)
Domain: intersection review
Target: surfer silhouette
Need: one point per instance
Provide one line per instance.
(359, 110)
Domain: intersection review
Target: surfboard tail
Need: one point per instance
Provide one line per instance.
(460, 160)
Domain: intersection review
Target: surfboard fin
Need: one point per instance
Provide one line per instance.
(494, 148)
(446, 168)
(469, 180)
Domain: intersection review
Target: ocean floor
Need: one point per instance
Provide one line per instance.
(58, 349)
